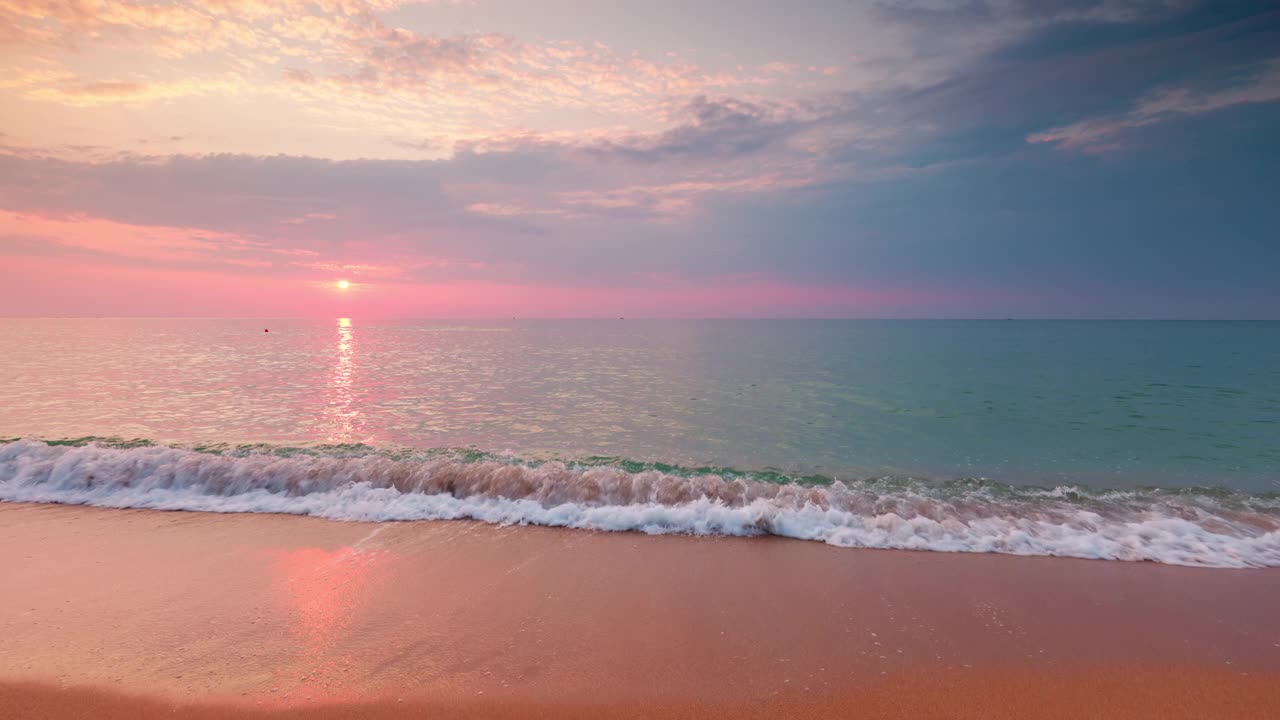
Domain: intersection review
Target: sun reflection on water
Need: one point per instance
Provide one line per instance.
(346, 419)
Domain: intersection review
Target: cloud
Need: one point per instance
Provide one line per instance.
(494, 207)
(482, 75)
(78, 93)
(1161, 106)
(100, 236)
(718, 146)
(342, 57)
(711, 128)
(403, 146)
(81, 237)
(953, 13)
(508, 210)
(1051, 74)
(669, 201)
(171, 30)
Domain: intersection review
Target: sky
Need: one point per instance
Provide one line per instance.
(592, 158)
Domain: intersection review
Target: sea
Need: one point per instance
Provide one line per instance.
(1115, 440)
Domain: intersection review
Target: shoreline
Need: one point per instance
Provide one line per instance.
(1133, 693)
(135, 611)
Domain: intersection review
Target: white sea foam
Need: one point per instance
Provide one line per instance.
(1168, 527)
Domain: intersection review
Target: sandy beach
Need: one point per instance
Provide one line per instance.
(133, 613)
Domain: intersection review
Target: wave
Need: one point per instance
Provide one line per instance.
(1198, 527)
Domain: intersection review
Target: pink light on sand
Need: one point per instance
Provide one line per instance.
(323, 592)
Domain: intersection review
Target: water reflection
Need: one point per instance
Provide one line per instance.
(346, 421)
(1167, 404)
(323, 588)
(323, 591)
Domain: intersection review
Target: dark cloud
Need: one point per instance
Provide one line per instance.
(1044, 80)
(970, 13)
(1162, 234)
(711, 129)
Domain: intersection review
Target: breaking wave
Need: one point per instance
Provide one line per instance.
(1201, 526)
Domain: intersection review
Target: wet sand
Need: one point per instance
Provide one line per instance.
(130, 613)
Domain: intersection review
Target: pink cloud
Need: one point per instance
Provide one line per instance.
(114, 238)
(310, 218)
(323, 52)
(118, 244)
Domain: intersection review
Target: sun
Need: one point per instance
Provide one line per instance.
(343, 284)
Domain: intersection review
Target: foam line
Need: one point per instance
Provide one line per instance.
(1215, 529)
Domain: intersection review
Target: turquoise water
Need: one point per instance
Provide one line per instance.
(1128, 440)
(1114, 404)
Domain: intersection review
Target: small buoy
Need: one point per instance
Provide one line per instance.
(265, 330)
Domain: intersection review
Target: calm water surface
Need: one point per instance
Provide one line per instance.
(1103, 403)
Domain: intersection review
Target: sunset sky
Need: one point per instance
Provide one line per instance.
(901, 158)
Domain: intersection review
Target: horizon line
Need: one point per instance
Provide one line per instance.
(639, 317)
